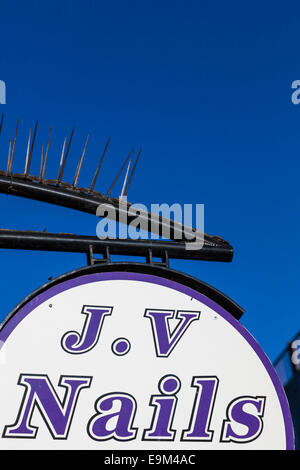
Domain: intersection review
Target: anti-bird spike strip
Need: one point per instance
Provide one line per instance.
(87, 199)
(63, 159)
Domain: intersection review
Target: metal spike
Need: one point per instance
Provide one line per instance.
(13, 149)
(41, 166)
(1, 123)
(76, 172)
(8, 160)
(31, 149)
(132, 173)
(46, 155)
(79, 164)
(125, 180)
(61, 158)
(27, 153)
(117, 177)
(65, 158)
(99, 166)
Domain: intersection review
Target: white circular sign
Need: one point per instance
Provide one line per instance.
(125, 360)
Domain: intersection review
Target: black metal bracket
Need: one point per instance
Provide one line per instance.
(91, 260)
(164, 259)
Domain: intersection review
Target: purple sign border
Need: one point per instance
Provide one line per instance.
(17, 318)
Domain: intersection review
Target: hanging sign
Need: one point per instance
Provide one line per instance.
(131, 360)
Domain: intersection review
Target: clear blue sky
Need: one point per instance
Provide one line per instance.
(205, 89)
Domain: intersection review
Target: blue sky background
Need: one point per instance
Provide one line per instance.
(205, 89)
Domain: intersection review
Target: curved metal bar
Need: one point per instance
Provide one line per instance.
(79, 199)
(61, 242)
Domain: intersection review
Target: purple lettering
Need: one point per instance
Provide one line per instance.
(206, 390)
(57, 414)
(165, 340)
(116, 408)
(165, 406)
(74, 343)
(251, 419)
